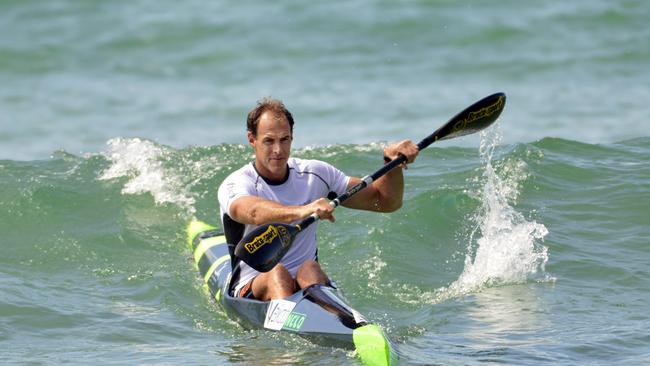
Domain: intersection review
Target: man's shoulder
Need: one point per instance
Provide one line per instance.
(246, 172)
(240, 182)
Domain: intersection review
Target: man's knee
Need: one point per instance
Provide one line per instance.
(274, 284)
(309, 273)
(310, 266)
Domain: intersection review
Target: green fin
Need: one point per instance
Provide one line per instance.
(372, 346)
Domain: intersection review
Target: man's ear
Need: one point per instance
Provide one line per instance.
(251, 138)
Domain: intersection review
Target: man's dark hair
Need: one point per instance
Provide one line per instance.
(267, 104)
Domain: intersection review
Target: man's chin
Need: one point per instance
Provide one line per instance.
(277, 166)
(278, 163)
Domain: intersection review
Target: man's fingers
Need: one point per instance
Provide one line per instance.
(325, 214)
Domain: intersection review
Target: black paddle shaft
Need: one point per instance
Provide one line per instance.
(473, 119)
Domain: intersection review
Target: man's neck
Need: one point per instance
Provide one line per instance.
(270, 178)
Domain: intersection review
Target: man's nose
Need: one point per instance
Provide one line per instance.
(277, 147)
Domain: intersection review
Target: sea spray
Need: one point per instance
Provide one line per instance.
(143, 162)
(507, 249)
(503, 247)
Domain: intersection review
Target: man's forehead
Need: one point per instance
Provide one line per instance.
(272, 123)
(275, 116)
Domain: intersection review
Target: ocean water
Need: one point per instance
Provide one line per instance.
(525, 244)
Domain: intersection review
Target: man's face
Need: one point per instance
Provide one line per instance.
(272, 145)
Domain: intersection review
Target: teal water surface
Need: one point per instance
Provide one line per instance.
(528, 253)
(527, 244)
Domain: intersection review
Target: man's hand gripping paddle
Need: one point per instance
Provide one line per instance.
(265, 246)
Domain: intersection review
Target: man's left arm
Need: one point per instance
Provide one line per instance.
(385, 194)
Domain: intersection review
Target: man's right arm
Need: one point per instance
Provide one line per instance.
(255, 210)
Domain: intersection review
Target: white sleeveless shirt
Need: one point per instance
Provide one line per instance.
(307, 181)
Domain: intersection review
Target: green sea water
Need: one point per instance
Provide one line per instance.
(525, 245)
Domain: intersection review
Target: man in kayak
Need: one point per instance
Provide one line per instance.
(278, 188)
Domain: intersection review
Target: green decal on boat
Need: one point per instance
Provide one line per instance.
(294, 322)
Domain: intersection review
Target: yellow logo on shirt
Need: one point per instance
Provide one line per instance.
(262, 239)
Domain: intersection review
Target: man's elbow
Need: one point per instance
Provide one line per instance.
(246, 215)
(392, 206)
(254, 217)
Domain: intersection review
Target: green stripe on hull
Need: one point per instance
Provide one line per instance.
(372, 346)
(214, 266)
(195, 228)
(207, 244)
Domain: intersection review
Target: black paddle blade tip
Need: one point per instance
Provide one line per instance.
(474, 118)
(265, 246)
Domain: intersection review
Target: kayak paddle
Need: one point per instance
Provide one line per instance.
(265, 246)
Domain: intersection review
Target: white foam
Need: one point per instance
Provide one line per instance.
(142, 162)
(509, 248)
